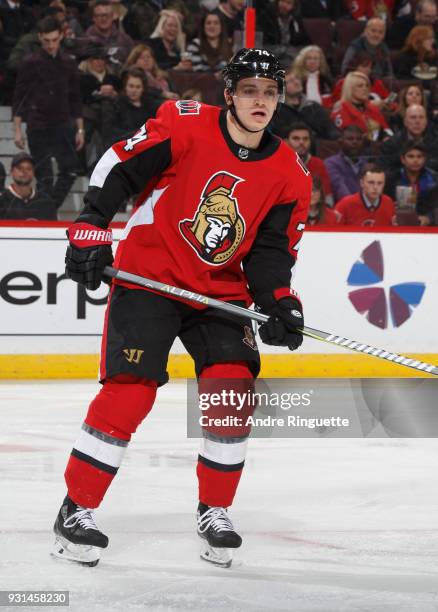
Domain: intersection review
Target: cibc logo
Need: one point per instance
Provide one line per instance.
(375, 302)
(22, 288)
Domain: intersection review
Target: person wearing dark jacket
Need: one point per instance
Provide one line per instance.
(47, 97)
(128, 111)
(16, 19)
(297, 108)
(20, 200)
(414, 174)
(320, 9)
(425, 14)
(371, 41)
(418, 57)
(416, 128)
(283, 27)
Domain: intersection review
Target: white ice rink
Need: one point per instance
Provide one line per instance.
(328, 525)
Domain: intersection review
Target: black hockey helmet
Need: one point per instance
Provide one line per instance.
(254, 63)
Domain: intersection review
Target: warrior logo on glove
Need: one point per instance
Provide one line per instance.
(217, 229)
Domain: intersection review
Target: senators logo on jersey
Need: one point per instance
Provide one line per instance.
(217, 229)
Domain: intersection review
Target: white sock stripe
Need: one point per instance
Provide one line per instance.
(228, 454)
(99, 449)
(103, 436)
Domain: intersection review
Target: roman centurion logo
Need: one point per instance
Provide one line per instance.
(217, 229)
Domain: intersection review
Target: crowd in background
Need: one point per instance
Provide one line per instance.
(360, 108)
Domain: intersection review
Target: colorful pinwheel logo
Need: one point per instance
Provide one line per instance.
(372, 302)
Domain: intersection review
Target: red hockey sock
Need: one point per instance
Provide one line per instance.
(114, 414)
(223, 449)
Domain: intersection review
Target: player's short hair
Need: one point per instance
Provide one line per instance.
(48, 24)
(352, 129)
(298, 126)
(413, 146)
(372, 168)
(96, 3)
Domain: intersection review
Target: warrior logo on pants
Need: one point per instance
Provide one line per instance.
(217, 229)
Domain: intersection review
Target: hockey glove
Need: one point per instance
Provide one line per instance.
(285, 316)
(88, 253)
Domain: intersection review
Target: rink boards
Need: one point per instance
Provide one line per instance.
(380, 288)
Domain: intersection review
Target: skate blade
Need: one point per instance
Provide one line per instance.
(222, 557)
(77, 553)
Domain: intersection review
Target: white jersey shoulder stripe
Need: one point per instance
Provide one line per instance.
(104, 166)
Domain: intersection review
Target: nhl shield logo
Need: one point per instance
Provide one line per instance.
(217, 228)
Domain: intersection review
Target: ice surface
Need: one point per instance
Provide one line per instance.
(328, 525)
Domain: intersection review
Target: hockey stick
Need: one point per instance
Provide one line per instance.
(262, 318)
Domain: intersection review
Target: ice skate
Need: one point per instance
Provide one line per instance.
(216, 528)
(78, 538)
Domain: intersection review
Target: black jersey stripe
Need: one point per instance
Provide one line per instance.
(94, 462)
(221, 467)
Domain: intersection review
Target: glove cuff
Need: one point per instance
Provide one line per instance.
(267, 301)
(84, 235)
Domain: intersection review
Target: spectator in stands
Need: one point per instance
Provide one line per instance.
(103, 31)
(355, 108)
(320, 9)
(212, 50)
(20, 200)
(411, 94)
(47, 96)
(425, 14)
(29, 43)
(16, 19)
(97, 81)
(416, 127)
(299, 138)
(319, 213)
(72, 26)
(119, 13)
(311, 67)
(414, 174)
(368, 207)
(297, 108)
(385, 9)
(345, 167)
(418, 56)
(231, 12)
(143, 57)
(363, 62)
(371, 41)
(142, 17)
(96, 78)
(124, 114)
(168, 42)
(283, 29)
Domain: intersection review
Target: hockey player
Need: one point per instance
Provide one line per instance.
(222, 208)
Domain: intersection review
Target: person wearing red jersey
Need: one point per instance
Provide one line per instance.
(221, 211)
(368, 207)
(355, 109)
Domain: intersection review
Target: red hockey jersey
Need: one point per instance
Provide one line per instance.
(213, 217)
(352, 210)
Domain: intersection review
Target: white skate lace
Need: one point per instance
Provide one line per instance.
(217, 517)
(84, 517)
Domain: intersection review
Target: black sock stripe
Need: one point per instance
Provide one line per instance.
(94, 462)
(221, 467)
